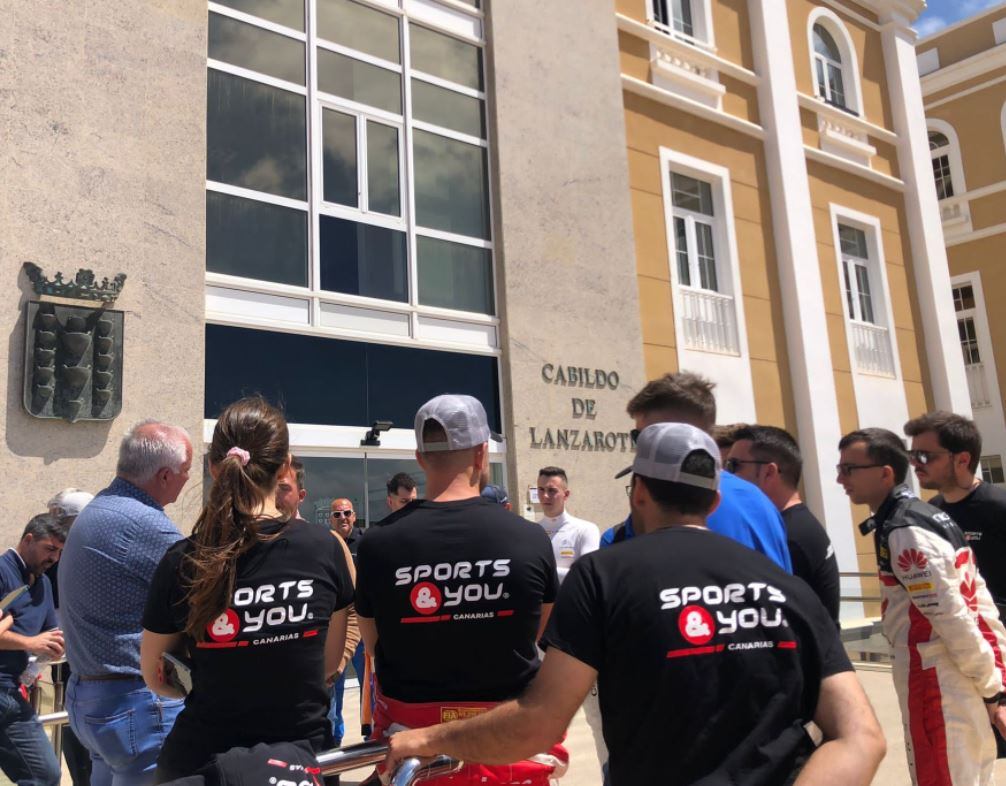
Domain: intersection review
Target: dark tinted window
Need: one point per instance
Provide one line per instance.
(446, 108)
(452, 275)
(339, 176)
(256, 49)
(335, 382)
(383, 192)
(358, 81)
(255, 239)
(256, 136)
(361, 259)
(359, 27)
(282, 12)
(441, 55)
(452, 189)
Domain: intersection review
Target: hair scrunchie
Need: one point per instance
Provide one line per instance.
(243, 455)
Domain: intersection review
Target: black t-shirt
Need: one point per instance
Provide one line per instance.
(260, 674)
(476, 576)
(981, 515)
(709, 657)
(812, 555)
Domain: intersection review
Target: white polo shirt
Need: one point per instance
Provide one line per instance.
(571, 539)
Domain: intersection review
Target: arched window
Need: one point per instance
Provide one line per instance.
(939, 149)
(833, 61)
(828, 68)
(945, 151)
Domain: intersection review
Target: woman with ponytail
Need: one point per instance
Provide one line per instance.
(256, 600)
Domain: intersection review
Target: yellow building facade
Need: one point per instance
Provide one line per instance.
(963, 72)
(788, 241)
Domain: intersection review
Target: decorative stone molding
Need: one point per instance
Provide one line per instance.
(844, 139)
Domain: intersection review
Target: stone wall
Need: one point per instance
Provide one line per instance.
(102, 166)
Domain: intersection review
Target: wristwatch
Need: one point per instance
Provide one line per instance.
(999, 698)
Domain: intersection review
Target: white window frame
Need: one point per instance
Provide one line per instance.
(880, 292)
(851, 81)
(989, 463)
(952, 151)
(691, 218)
(724, 236)
(851, 283)
(249, 302)
(702, 22)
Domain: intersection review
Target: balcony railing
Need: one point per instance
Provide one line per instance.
(978, 385)
(709, 320)
(872, 348)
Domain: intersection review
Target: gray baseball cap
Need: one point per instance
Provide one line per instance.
(462, 417)
(662, 448)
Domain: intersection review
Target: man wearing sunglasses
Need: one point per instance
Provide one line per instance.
(770, 458)
(945, 453)
(342, 521)
(941, 622)
(744, 514)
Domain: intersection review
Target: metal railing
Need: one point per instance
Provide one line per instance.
(872, 348)
(352, 757)
(977, 385)
(709, 320)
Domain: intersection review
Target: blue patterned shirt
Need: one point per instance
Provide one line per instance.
(108, 561)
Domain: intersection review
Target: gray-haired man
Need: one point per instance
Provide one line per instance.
(116, 543)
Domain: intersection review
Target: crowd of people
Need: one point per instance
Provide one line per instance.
(701, 634)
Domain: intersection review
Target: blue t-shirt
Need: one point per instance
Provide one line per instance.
(33, 613)
(745, 514)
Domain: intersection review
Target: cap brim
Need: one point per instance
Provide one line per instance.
(623, 473)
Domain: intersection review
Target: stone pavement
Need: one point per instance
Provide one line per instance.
(583, 770)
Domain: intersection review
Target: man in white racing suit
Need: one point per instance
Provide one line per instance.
(571, 537)
(938, 615)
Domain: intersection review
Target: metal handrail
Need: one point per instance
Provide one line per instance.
(353, 757)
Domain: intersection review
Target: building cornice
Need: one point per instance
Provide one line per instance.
(964, 70)
(958, 25)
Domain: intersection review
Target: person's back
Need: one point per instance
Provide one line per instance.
(475, 576)
(719, 649)
(110, 556)
(813, 556)
(747, 516)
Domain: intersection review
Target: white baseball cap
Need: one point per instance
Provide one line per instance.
(69, 502)
(463, 418)
(661, 450)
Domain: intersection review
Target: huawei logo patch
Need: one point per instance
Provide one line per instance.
(912, 558)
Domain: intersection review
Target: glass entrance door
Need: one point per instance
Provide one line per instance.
(362, 479)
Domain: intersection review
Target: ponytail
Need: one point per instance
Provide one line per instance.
(249, 449)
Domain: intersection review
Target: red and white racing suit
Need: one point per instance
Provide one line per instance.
(391, 716)
(947, 638)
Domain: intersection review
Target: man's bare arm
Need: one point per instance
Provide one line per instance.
(368, 632)
(546, 612)
(853, 740)
(514, 730)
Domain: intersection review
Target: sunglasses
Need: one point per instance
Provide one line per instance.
(733, 464)
(338, 514)
(923, 457)
(845, 470)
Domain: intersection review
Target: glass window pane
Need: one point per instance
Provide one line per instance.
(937, 140)
(452, 190)
(359, 27)
(849, 299)
(383, 193)
(446, 108)
(706, 256)
(681, 250)
(452, 275)
(255, 239)
(852, 241)
(691, 194)
(835, 83)
(258, 50)
(446, 57)
(660, 12)
(683, 17)
(283, 12)
(865, 298)
(256, 136)
(339, 175)
(822, 83)
(941, 173)
(361, 259)
(326, 479)
(825, 45)
(358, 81)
